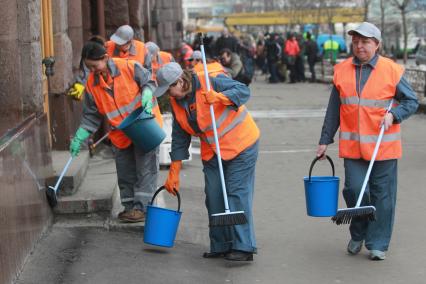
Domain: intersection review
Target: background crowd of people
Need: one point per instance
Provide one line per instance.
(280, 57)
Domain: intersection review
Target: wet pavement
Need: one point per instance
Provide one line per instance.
(292, 247)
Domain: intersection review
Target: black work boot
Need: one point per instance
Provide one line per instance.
(238, 255)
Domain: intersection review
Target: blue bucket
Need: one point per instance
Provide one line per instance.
(143, 130)
(161, 224)
(321, 193)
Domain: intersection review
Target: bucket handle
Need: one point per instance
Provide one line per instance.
(144, 115)
(316, 160)
(160, 189)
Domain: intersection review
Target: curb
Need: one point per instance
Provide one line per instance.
(100, 220)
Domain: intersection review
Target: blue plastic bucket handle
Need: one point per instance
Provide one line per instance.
(145, 115)
(321, 192)
(160, 189)
(316, 160)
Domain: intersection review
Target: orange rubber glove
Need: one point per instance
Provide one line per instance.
(172, 182)
(213, 97)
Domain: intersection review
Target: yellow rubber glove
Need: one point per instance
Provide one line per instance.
(76, 91)
(172, 182)
(213, 97)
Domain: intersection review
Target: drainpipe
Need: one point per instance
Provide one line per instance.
(147, 36)
(101, 17)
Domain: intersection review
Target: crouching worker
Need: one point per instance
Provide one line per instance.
(115, 87)
(238, 140)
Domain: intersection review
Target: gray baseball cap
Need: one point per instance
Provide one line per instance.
(368, 30)
(152, 47)
(167, 75)
(123, 35)
(196, 55)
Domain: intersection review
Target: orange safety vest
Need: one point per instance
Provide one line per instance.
(214, 68)
(236, 128)
(158, 61)
(136, 51)
(361, 114)
(126, 98)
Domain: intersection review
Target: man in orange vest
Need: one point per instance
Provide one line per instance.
(364, 87)
(155, 58)
(114, 88)
(238, 140)
(123, 45)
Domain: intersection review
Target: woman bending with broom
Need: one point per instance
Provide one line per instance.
(363, 104)
(231, 224)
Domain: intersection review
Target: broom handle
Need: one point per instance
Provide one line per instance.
(63, 173)
(373, 157)
(93, 146)
(216, 140)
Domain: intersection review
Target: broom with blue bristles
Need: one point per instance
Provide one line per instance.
(226, 218)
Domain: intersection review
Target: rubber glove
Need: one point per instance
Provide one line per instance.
(213, 97)
(80, 136)
(172, 182)
(147, 100)
(76, 91)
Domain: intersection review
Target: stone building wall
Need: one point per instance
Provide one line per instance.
(166, 20)
(24, 137)
(20, 59)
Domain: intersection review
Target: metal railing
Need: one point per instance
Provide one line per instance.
(417, 79)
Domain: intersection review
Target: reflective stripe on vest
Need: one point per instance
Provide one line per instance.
(124, 99)
(237, 130)
(239, 119)
(365, 102)
(369, 138)
(361, 114)
(128, 108)
(219, 120)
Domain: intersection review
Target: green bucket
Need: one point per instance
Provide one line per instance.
(143, 130)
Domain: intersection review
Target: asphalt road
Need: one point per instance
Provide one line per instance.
(292, 247)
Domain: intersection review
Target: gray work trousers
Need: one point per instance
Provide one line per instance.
(239, 180)
(380, 192)
(137, 174)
